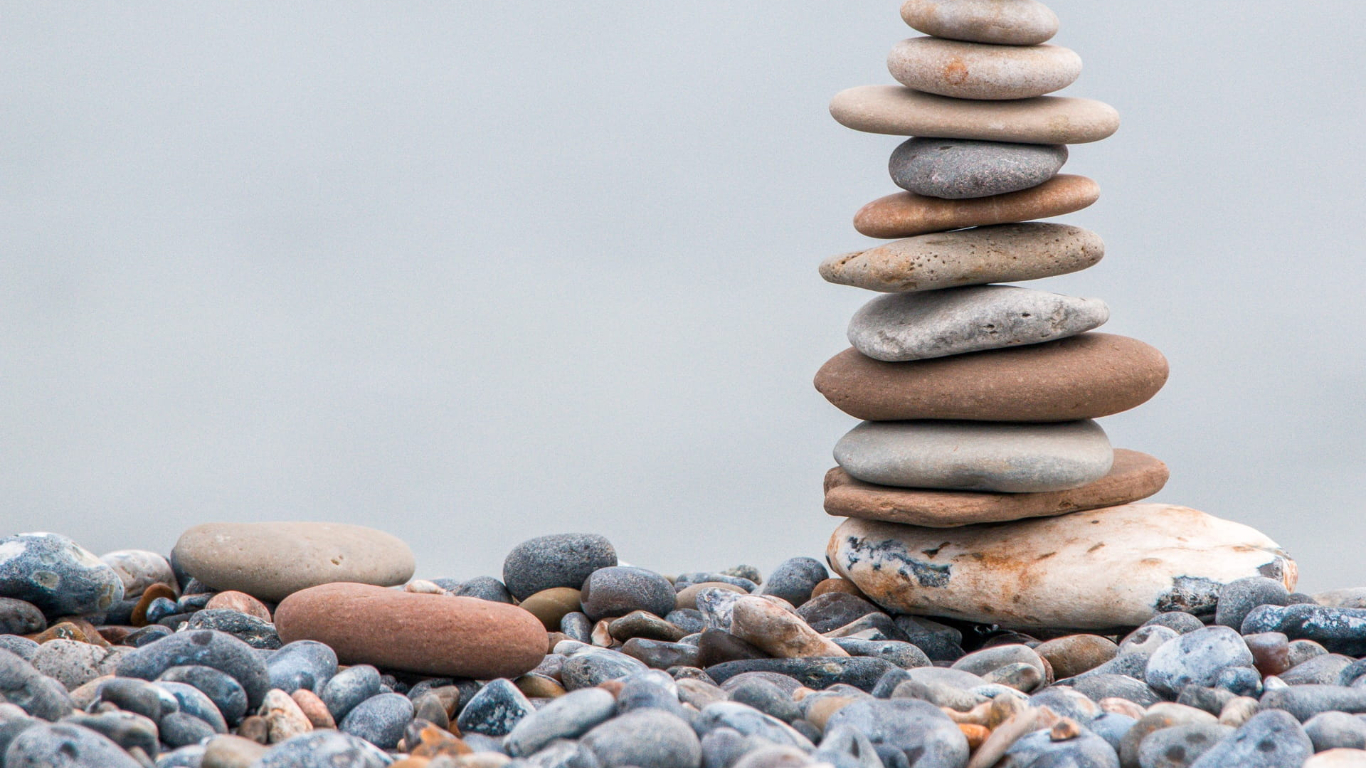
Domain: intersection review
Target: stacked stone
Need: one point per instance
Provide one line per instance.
(979, 399)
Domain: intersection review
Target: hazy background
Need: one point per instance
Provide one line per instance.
(474, 272)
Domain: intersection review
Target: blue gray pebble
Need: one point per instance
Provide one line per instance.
(206, 648)
(647, 738)
(18, 617)
(1267, 740)
(30, 690)
(484, 588)
(558, 560)
(591, 667)
(567, 717)
(1181, 745)
(380, 719)
(255, 632)
(65, 745)
(1340, 630)
(56, 575)
(223, 690)
(495, 710)
(619, 590)
(302, 664)
(958, 169)
(180, 729)
(195, 703)
(348, 688)
(1196, 658)
(916, 729)
(323, 749)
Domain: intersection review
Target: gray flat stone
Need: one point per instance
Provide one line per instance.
(1008, 458)
(917, 326)
(958, 169)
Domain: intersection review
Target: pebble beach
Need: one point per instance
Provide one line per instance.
(1001, 589)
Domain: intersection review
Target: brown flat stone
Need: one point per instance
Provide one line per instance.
(906, 214)
(1082, 377)
(1134, 476)
(434, 635)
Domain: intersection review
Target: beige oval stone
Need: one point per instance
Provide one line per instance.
(901, 111)
(687, 597)
(1100, 569)
(906, 214)
(778, 632)
(313, 708)
(1082, 377)
(976, 71)
(272, 560)
(426, 634)
(552, 605)
(1133, 477)
(1000, 254)
(1003, 22)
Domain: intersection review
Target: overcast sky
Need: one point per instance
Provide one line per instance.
(473, 272)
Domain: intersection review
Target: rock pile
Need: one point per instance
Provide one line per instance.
(979, 485)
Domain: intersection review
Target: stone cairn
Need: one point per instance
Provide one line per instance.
(978, 484)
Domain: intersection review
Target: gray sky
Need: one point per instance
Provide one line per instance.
(474, 272)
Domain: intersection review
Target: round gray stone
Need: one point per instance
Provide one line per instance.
(917, 326)
(323, 749)
(558, 560)
(380, 719)
(1196, 658)
(958, 169)
(65, 745)
(648, 738)
(970, 456)
(56, 575)
(619, 590)
(567, 717)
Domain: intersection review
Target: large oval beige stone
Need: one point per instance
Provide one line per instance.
(1134, 476)
(272, 560)
(1003, 22)
(1007, 253)
(976, 71)
(901, 111)
(906, 214)
(1101, 569)
(426, 634)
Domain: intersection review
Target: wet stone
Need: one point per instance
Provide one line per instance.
(495, 710)
(380, 719)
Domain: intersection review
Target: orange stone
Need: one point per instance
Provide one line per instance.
(1133, 476)
(1082, 377)
(425, 634)
(139, 616)
(906, 214)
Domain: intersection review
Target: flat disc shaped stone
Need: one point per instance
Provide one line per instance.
(1082, 377)
(1132, 477)
(906, 214)
(958, 169)
(928, 324)
(1006, 253)
(1098, 569)
(1003, 22)
(965, 70)
(976, 456)
(901, 111)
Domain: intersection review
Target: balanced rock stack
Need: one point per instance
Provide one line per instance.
(980, 486)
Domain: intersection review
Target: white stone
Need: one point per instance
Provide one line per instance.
(140, 569)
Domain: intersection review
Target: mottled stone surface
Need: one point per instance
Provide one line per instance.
(1132, 477)
(927, 324)
(906, 214)
(1003, 22)
(1082, 377)
(901, 111)
(965, 70)
(958, 169)
(1051, 572)
(57, 575)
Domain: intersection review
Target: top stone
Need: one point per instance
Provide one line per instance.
(899, 111)
(273, 560)
(1004, 22)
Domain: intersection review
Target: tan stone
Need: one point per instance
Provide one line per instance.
(1082, 377)
(837, 585)
(1134, 476)
(1003, 22)
(240, 602)
(313, 708)
(225, 751)
(1099, 569)
(906, 214)
(426, 634)
(1337, 758)
(284, 719)
(1074, 654)
(778, 632)
(272, 560)
(999, 254)
(551, 605)
(901, 111)
(967, 70)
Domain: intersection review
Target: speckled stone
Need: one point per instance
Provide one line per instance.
(964, 70)
(65, 744)
(18, 617)
(780, 634)
(1196, 658)
(272, 560)
(1042, 572)
(923, 733)
(302, 664)
(567, 717)
(901, 111)
(207, 648)
(1340, 630)
(1267, 740)
(253, 631)
(495, 710)
(139, 569)
(647, 738)
(380, 719)
(426, 634)
(323, 749)
(349, 688)
(619, 590)
(974, 456)
(906, 214)
(27, 688)
(794, 579)
(73, 663)
(56, 575)
(558, 560)
(226, 693)
(1003, 22)
(195, 703)
(1132, 477)
(1082, 377)
(1005, 253)
(955, 321)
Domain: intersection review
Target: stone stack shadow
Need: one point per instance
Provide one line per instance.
(978, 484)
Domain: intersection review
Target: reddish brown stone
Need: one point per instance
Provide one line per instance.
(906, 214)
(1082, 377)
(425, 634)
(1133, 476)
(240, 602)
(139, 616)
